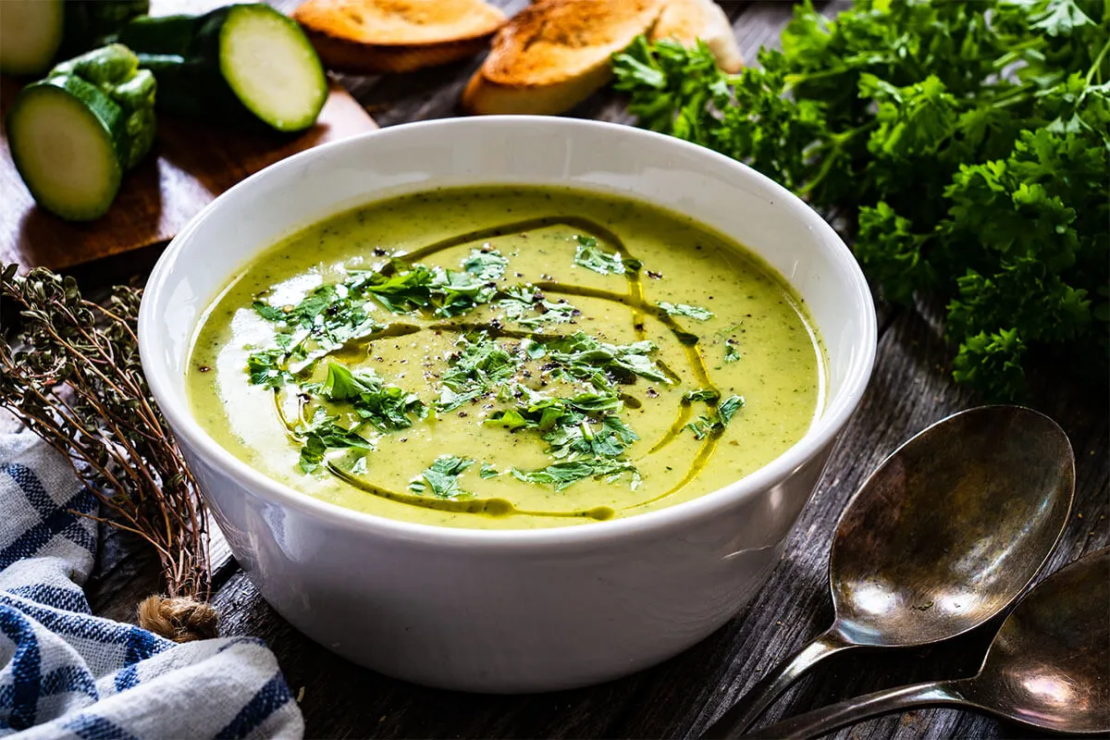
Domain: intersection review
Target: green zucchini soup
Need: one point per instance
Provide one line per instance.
(506, 357)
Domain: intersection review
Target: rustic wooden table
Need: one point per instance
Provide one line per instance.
(910, 389)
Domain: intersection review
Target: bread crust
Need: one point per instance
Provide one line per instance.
(688, 20)
(554, 54)
(382, 36)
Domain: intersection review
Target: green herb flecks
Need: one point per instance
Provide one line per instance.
(530, 308)
(585, 436)
(732, 352)
(475, 367)
(486, 264)
(387, 407)
(266, 368)
(325, 319)
(590, 255)
(681, 309)
(562, 475)
(583, 357)
(718, 418)
(323, 435)
(442, 478)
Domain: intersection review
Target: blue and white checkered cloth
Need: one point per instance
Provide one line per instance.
(67, 674)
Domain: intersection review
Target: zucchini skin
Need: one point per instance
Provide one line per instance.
(183, 52)
(114, 72)
(90, 24)
(108, 84)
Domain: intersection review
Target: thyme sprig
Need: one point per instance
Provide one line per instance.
(70, 371)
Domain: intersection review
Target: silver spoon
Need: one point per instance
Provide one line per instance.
(946, 534)
(1046, 668)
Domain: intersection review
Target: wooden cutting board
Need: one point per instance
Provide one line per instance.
(191, 164)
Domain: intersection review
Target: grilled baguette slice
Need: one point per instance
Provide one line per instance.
(555, 54)
(688, 20)
(379, 36)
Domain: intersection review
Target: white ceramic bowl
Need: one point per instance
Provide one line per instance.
(508, 611)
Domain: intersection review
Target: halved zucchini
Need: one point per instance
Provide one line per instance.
(74, 134)
(62, 135)
(237, 62)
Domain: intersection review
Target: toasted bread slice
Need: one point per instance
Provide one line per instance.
(688, 20)
(376, 36)
(555, 54)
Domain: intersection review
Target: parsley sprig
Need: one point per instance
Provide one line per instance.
(966, 142)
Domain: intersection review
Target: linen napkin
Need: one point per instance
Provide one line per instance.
(67, 674)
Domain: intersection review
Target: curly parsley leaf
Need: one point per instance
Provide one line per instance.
(965, 142)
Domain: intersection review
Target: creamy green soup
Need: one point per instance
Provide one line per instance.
(502, 357)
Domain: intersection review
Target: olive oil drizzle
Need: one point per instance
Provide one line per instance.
(488, 506)
(634, 299)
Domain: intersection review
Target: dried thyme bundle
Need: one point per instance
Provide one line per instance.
(70, 371)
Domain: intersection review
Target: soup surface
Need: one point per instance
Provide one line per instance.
(504, 357)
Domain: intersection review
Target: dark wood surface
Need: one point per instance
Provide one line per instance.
(191, 164)
(911, 388)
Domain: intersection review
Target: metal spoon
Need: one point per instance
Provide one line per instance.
(1046, 668)
(942, 537)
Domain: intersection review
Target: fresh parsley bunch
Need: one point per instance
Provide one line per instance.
(968, 142)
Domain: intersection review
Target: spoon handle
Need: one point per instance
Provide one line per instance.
(826, 719)
(741, 715)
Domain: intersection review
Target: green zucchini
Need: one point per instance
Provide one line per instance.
(74, 134)
(31, 33)
(35, 33)
(237, 63)
(91, 24)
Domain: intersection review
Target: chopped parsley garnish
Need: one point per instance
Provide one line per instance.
(442, 478)
(531, 309)
(325, 319)
(583, 429)
(682, 309)
(584, 435)
(564, 474)
(732, 352)
(589, 255)
(324, 435)
(718, 419)
(486, 264)
(265, 368)
(475, 367)
(387, 407)
(585, 358)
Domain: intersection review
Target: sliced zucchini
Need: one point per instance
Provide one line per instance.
(62, 140)
(243, 62)
(272, 67)
(74, 134)
(31, 33)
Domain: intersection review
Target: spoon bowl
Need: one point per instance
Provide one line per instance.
(1047, 666)
(944, 535)
(1045, 669)
(951, 528)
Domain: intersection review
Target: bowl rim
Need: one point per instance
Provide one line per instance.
(823, 431)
